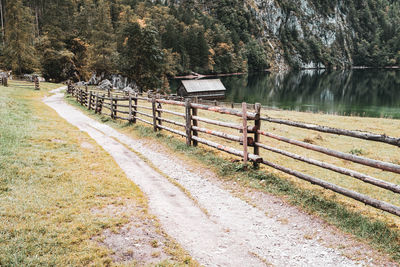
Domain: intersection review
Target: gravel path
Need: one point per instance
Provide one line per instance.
(233, 233)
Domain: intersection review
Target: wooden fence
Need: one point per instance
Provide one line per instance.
(4, 81)
(21, 83)
(132, 108)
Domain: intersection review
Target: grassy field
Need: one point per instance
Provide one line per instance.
(56, 185)
(369, 149)
(377, 227)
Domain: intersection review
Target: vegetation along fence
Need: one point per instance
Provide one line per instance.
(21, 84)
(157, 112)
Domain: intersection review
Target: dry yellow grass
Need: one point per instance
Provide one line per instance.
(54, 179)
(369, 149)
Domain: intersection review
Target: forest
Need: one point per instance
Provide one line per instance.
(151, 41)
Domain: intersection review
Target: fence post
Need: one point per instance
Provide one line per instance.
(80, 96)
(36, 81)
(112, 106)
(135, 107)
(130, 107)
(245, 154)
(115, 107)
(153, 105)
(86, 93)
(96, 108)
(101, 102)
(257, 124)
(69, 86)
(188, 122)
(84, 98)
(195, 123)
(159, 106)
(90, 101)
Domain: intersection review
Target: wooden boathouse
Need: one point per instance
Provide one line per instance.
(204, 89)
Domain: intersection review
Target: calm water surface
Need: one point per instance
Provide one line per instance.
(372, 93)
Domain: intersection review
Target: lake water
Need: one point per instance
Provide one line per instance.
(371, 93)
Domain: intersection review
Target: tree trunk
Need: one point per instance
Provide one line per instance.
(2, 20)
(37, 21)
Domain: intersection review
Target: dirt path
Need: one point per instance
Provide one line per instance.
(233, 233)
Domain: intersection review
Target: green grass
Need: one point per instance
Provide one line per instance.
(50, 186)
(378, 233)
(45, 207)
(375, 232)
(357, 151)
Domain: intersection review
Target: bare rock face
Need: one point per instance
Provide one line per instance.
(105, 85)
(93, 80)
(129, 89)
(310, 28)
(303, 34)
(119, 82)
(31, 77)
(81, 84)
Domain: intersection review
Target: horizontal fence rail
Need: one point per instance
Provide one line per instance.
(152, 110)
(357, 159)
(357, 134)
(363, 177)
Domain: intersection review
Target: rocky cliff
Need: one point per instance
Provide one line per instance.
(303, 35)
(309, 33)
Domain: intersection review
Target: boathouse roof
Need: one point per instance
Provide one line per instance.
(206, 85)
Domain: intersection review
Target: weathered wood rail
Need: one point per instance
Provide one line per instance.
(21, 83)
(4, 81)
(152, 110)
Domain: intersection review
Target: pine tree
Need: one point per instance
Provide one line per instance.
(83, 19)
(141, 57)
(202, 51)
(19, 53)
(2, 21)
(103, 40)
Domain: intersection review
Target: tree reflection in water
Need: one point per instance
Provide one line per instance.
(372, 93)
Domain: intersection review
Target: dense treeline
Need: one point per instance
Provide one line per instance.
(149, 41)
(143, 40)
(376, 24)
(372, 39)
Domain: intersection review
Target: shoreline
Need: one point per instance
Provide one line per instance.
(201, 76)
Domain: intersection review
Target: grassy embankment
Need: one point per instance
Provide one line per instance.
(57, 187)
(379, 228)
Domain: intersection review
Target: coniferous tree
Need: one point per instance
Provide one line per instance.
(257, 60)
(19, 53)
(103, 40)
(83, 19)
(2, 21)
(75, 37)
(141, 56)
